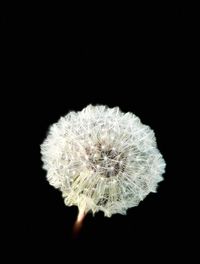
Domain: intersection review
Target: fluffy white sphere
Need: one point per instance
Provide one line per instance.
(102, 159)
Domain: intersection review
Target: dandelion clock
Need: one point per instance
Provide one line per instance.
(102, 159)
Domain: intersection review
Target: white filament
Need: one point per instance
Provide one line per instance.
(102, 159)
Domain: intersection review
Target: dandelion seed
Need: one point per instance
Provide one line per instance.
(117, 170)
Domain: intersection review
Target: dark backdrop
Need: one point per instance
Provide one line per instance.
(62, 59)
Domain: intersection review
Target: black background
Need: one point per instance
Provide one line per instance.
(58, 59)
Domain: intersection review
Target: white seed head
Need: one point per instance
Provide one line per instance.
(102, 159)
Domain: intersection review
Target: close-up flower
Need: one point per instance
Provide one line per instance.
(102, 159)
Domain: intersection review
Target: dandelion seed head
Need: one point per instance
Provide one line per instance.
(102, 159)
